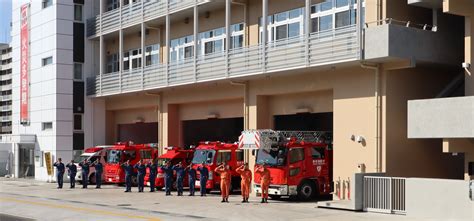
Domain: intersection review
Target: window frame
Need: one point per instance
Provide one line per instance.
(292, 161)
(44, 61)
(81, 10)
(45, 126)
(46, 3)
(82, 71)
(81, 122)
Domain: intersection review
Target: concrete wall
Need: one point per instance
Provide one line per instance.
(438, 199)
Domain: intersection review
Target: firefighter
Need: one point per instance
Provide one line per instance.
(180, 172)
(168, 170)
(60, 172)
(153, 167)
(204, 174)
(246, 179)
(99, 168)
(224, 172)
(72, 171)
(85, 173)
(264, 181)
(192, 178)
(128, 175)
(141, 168)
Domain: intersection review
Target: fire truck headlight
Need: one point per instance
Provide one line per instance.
(210, 175)
(294, 171)
(284, 189)
(160, 175)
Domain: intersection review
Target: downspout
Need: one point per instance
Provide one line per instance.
(246, 110)
(378, 114)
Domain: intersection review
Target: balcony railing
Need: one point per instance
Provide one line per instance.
(5, 97)
(6, 108)
(6, 118)
(6, 87)
(321, 48)
(133, 14)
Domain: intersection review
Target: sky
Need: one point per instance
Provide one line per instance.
(5, 19)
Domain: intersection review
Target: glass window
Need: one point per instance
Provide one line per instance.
(129, 155)
(47, 126)
(218, 46)
(239, 155)
(152, 54)
(188, 52)
(223, 156)
(77, 71)
(325, 23)
(295, 13)
(294, 29)
(342, 3)
(47, 3)
(114, 156)
(47, 61)
(315, 24)
(78, 12)
(296, 154)
(208, 47)
(327, 5)
(237, 41)
(281, 32)
(77, 121)
(317, 153)
(112, 63)
(281, 16)
(343, 19)
(145, 154)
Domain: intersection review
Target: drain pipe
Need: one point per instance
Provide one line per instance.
(378, 114)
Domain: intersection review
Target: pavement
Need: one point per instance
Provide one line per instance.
(22, 199)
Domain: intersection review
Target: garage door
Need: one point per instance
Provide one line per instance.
(138, 133)
(225, 130)
(305, 122)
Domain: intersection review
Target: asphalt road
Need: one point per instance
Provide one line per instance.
(34, 200)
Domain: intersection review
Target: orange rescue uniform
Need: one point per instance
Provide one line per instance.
(225, 181)
(246, 179)
(264, 181)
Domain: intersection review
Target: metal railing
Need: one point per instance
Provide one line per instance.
(6, 118)
(133, 14)
(333, 46)
(407, 24)
(384, 194)
(5, 97)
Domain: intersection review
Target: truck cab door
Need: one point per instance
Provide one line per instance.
(296, 165)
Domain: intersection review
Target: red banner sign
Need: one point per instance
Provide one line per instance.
(24, 65)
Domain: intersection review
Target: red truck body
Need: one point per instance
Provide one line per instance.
(175, 155)
(300, 163)
(213, 154)
(120, 153)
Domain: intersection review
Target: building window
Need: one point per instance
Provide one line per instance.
(47, 126)
(237, 37)
(78, 126)
(325, 23)
(47, 61)
(132, 58)
(47, 3)
(78, 71)
(181, 48)
(112, 4)
(78, 12)
(112, 63)
(152, 54)
(284, 25)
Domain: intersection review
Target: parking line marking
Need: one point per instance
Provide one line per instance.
(80, 209)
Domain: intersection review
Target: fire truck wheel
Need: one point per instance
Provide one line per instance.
(134, 181)
(92, 179)
(306, 190)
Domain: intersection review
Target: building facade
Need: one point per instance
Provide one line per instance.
(6, 89)
(160, 72)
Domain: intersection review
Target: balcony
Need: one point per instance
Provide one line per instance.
(6, 97)
(6, 118)
(441, 118)
(131, 14)
(5, 66)
(6, 129)
(5, 77)
(6, 87)
(322, 48)
(6, 108)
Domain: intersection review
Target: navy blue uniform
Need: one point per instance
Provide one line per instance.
(141, 176)
(128, 177)
(85, 173)
(99, 169)
(192, 180)
(204, 174)
(60, 173)
(180, 172)
(153, 170)
(72, 171)
(168, 170)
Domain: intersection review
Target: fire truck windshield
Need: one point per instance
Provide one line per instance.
(272, 157)
(113, 156)
(206, 156)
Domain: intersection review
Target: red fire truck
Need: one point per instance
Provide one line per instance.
(211, 154)
(175, 155)
(300, 162)
(120, 153)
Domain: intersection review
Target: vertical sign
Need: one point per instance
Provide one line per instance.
(49, 165)
(24, 65)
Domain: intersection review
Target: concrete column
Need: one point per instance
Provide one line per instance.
(143, 33)
(228, 9)
(307, 23)
(195, 34)
(264, 32)
(360, 26)
(101, 61)
(171, 125)
(16, 162)
(167, 33)
(120, 58)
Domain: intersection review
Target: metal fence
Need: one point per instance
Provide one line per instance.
(384, 194)
(321, 48)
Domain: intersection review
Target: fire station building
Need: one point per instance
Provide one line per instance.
(177, 72)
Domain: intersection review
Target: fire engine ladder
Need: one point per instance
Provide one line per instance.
(269, 137)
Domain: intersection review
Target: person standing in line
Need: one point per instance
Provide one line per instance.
(60, 172)
(203, 176)
(180, 172)
(128, 175)
(246, 179)
(85, 173)
(141, 168)
(264, 181)
(225, 175)
(192, 178)
(99, 168)
(72, 171)
(153, 167)
(168, 170)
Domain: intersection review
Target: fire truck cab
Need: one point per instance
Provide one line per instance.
(300, 162)
(120, 153)
(91, 154)
(211, 154)
(175, 155)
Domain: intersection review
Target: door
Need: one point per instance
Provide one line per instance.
(296, 163)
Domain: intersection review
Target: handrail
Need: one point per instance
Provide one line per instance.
(407, 24)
